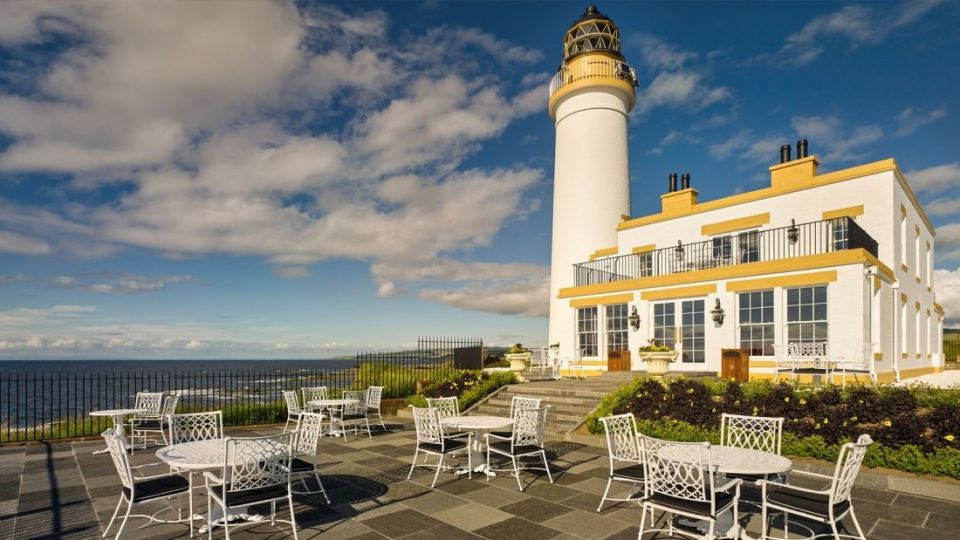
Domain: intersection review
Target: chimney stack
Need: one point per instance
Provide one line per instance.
(673, 182)
(801, 148)
(785, 153)
(685, 181)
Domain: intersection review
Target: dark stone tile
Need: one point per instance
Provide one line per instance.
(868, 513)
(459, 488)
(891, 530)
(630, 533)
(402, 523)
(925, 503)
(550, 492)
(536, 509)
(565, 479)
(596, 472)
(585, 501)
(514, 528)
(382, 463)
(873, 495)
(943, 522)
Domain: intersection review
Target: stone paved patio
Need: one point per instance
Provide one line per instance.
(63, 491)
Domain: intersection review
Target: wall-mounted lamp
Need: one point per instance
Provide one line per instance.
(793, 233)
(717, 313)
(679, 249)
(634, 319)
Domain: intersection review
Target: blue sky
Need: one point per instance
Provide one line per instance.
(304, 180)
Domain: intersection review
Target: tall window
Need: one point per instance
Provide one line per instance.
(756, 322)
(929, 334)
(664, 324)
(807, 314)
(916, 250)
(616, 323)
(840, 230)
(748, 246)
(929, 267)
(917, 331)
(646, 264)
(587, 331)
(693, 336)
(722, 248)
(903, 326)
(903, 235)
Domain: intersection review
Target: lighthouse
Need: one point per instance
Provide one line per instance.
(591, 97)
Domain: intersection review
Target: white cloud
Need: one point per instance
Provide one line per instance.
(658, 54)
(681, 88)
(24, 316)
(913, 118)
(124, 284)
(839, 144)
(943, 207)
(858, 25)
(12, 242)
(935, 178)
(947, 288)
(292, 272)
(528, 298)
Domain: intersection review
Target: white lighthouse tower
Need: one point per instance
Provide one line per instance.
(590, 99)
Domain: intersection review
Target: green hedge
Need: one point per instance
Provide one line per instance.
(916, 429)
(468, 386)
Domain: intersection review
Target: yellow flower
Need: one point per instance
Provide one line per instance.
(950, 438)
(787, 399)
(853, 418)
(816, 426)
(887, 423)
(803, 401)
(826, 420)
(689, 390)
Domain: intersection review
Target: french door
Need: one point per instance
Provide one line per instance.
(691, 328)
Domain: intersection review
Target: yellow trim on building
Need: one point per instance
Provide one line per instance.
(918, 280)
(795, 280)
(903, 297)
(763, 363)
(679, 292)
(917, 305)
(904, 355)
(843, 175)
(678, 202)
(603, 252)
(876, 283)
(645, 249)
(583, 84)
(600, 300)
(739, 224)
(938, 308)
(850, 211)
(877, 356)
(807, 262)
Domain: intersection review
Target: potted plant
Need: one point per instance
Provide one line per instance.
(658, 358)
(519, 358)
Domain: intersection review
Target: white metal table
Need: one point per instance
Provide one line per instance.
(331, 404)
(117, 415)
(198, 456)
(480, 425)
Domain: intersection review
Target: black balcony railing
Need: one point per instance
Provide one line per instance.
(799, 240)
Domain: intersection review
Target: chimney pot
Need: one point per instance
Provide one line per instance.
(685, 181)
(673, 182)
(802, 152)
(784, 153)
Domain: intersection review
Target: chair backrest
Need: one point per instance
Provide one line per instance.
(359, 405)
(117, 446)
(622, 441)
(446, 407)
(761, 433)
(256, 462)
(169, 405)
(293, 406)
(806, 350)
(678, 469)
(427, 423)
(307, 434)
(374, 395)
(528, 426)
(150, 402)
(523, 402)
(200, 426)
(312, 393)
(848, 466)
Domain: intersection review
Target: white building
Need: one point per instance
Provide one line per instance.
(843, 258)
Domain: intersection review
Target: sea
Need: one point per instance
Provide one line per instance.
(38, 393)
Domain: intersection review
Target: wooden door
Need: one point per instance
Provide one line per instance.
(618, 360)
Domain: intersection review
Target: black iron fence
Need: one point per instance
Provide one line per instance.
(54, 404)
(799, 240)
(951, 344)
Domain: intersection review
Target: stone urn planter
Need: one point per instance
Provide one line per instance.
(518, 363)
(658, 363)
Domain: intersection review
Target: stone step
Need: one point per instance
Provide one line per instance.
(568, 400)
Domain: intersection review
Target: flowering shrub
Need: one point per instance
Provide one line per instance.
(468, 386)
(917, 429)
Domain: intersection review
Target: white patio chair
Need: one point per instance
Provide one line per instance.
(138, 489)
(374, 395)
(305, 446)
(526, 440)
(151, 403)
(351, 414)
(623, 449)
(312, 393)
(681, 481)
(159, 426)
(293, 409)
(827, 506)
(518, 403)
(809, 358)
(256, 471)
(862, 364)
(763, 433)
(201, 426)
(446, 407)
(431, 440)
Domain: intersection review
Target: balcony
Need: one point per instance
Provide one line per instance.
(813, 238)
(592, 67)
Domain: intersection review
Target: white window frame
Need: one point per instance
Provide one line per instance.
(580, 332)
(620, 323)
(762, 308)
(813, 321)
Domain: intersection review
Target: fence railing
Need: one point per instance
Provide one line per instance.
(799, 240)
(55, 404)
(951, 344)
(595, 68)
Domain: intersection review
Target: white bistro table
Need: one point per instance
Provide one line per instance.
(738, 461)
(480, 425)
(199, 456)
(118, 415)
(331, 404)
